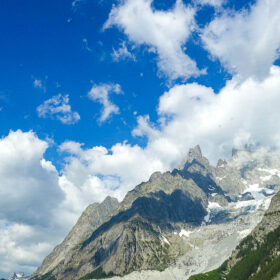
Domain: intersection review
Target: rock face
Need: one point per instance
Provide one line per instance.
(90, 220)
(165, 223)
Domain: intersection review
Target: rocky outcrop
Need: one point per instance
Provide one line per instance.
(229, 179)
(91, 219)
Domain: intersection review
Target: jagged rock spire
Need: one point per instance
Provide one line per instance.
(221, 163)
(194, 153)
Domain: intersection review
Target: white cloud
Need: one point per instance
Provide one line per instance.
(58, 107)
(122, 53)
(28, 183)
(214, 3)
(105, 172)
(246, 42)
(86, 45)
(29, 195)
(165, 32)
(37, 208)
(77, 3)
(100, 93)
(191, 114)
(21, 247)
(39, 84)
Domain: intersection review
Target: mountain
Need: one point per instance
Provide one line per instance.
(178, 223)
(18, 276)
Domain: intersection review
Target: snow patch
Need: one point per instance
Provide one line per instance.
(253, 204)
(213, 205)
(266, 178)
(207, 218)
(244, 233)
(184, 233)
(252, 188)
(241, 204)
(244, 182)
(220, 178)
(165, 240)
(269, 191)
(270, 171)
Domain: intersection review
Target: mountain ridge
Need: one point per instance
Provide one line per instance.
(139, 234)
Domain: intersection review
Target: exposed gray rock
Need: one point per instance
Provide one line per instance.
(91, 219)
(229, 179)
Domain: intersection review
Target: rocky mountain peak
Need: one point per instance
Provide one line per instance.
(196, 161)
(110, 201)
(18, 276)
(194, 153)
(221, 163)
(156, 175)
(234, 152)
(194, 156)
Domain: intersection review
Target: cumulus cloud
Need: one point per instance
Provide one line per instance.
(122, 53)
(164, 32)
(37, 207)
(246, 42)
(108, 172)
(58, 107)
(100, 93)
(21, 247)
(191, 114)
(29, 195)
(28, 183)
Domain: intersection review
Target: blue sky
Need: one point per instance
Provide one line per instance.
(41, 44)
(97, 95)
